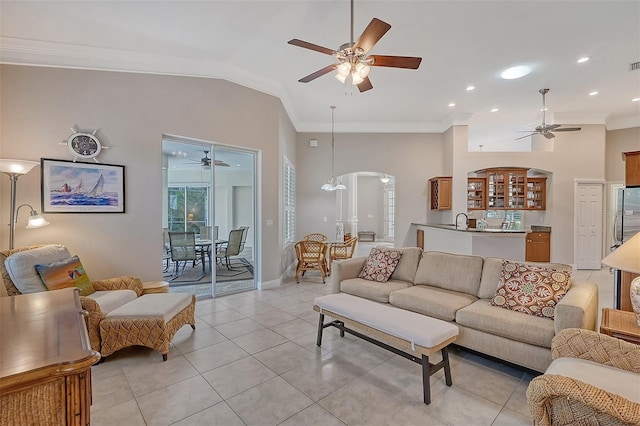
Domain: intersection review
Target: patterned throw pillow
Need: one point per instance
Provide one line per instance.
(380, 264)
(66, 273)
(530, 289)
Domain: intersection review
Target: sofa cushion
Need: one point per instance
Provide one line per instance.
(613, 380)
(65, 273)
(491, 275)
(530, 289)
(380, 264)
(408, 264)
(21, 266)
(372, 290)
(112, 299)
(432, 301)
(450, 271)
(481, 316)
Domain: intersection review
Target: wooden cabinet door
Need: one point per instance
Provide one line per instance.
(476, 193)
(631, 168)
(440, 192)
(538, 247)
(420, 239)
(536, 193)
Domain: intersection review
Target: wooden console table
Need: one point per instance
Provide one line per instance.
(620, 324)
(45, 360)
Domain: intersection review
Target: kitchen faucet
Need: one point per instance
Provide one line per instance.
(466, 222)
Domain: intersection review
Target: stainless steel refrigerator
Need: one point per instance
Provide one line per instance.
(626, 224)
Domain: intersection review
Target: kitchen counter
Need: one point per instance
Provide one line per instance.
(503, 243)
(452, 227)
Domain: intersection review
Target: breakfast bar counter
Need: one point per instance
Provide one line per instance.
(504, 243)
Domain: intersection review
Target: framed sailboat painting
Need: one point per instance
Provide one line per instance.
(74, 187)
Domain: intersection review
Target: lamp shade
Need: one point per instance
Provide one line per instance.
(626, 257)
(16, 167)
(36, 220)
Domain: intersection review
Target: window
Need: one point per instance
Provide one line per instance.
(390, 208)
(188, 208)
(289, 202)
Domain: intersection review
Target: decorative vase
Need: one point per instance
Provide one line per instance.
(635, 298)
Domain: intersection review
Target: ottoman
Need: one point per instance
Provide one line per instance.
(151, 320)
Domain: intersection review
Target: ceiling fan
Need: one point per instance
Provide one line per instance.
(205, 161)
(547, 130)
(352, 58)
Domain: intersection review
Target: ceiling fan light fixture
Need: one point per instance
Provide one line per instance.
(344, 69)
(363, 69)
(341, 78)
(515, 72)
(356, 78)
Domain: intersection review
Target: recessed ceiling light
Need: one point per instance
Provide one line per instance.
(495, 110)
(516, 72)
(583, 59)
(593, 93)
(635, 100)
(452, 104)
(470, 88)
(544, 109)
(238, 165)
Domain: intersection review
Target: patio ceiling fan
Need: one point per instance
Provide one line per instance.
(353, 61)
(205, 161)
(547, 130)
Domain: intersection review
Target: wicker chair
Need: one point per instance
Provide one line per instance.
(556, 399)
(341, 251)
(90, 305)
(316, 236)
(312, 255)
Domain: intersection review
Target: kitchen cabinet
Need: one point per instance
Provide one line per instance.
(506, 188)
(631, 168)
(536, 193)
(476, 193)
(440, 192)
(538, 247)
(420, 239)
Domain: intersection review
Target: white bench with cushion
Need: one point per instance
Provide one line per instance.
(405, 333)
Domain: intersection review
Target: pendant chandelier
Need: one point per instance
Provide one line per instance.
(332, 184)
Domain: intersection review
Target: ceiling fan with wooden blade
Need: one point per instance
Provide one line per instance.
(548, 130)
(352, 59)
(205, 161)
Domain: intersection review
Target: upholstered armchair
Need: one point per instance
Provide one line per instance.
(593, 380)
(97, 305)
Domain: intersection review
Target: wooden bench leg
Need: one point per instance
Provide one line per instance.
(426, 380)
(447, 367)
(320, 328)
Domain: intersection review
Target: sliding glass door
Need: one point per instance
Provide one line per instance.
(210, 190)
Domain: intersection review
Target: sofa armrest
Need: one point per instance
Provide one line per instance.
(596, 347)
(344, 270)
(578, 308)
(120, 283)
(552, 396)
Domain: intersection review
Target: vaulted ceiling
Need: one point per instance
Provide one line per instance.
(462, 43)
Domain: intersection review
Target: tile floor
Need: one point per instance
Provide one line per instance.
(252, 360)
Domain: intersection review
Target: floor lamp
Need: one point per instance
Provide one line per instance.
(15, 168)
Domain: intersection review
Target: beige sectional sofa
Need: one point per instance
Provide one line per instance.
(458, 289)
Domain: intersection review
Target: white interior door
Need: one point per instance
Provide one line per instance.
(589, 230)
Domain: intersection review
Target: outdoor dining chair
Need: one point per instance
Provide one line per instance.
(230, 248)
(183, 249)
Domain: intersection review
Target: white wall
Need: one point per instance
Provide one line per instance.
(411, 158)
(132, 111)
(576, 155)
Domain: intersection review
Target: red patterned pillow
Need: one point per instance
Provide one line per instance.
(531, 289)
(380, 264)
